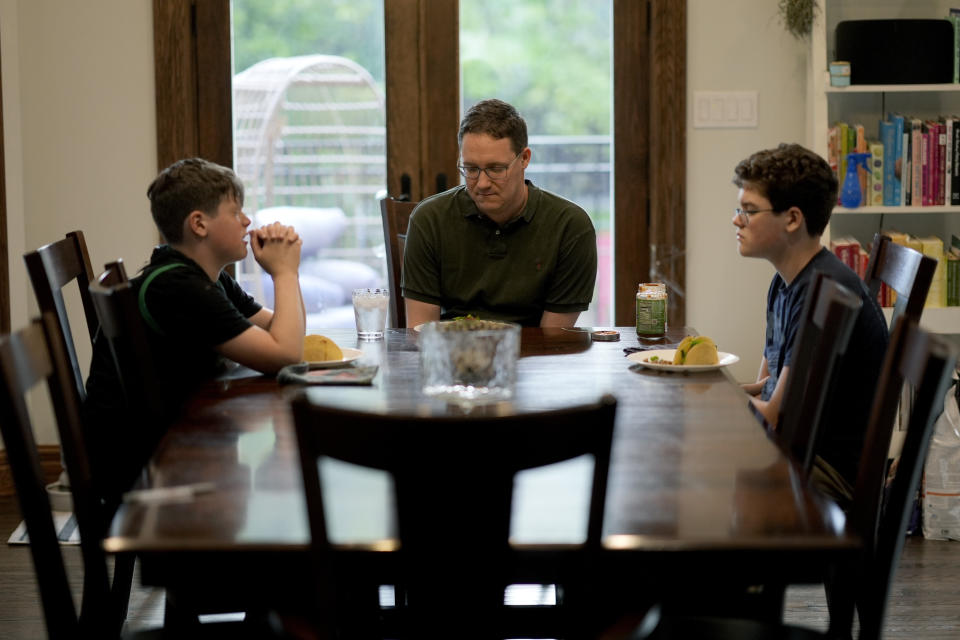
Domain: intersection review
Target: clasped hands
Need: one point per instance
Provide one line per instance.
(276, 248)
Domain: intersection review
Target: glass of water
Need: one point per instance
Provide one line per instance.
(370, 310)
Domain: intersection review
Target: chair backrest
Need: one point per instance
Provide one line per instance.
(53, 266)
(453, 484)
(395, 215)
(904, 270)
(926, 362)
(27, 358)
(122, 326)
(114, 273)
(827, 320)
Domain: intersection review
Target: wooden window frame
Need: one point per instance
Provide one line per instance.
(649, 166)
(194, 74)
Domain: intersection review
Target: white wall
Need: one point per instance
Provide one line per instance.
(735, 45)
(80, 138)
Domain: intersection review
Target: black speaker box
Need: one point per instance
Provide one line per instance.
(897, 51)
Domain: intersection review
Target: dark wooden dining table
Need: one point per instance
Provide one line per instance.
(697, 491)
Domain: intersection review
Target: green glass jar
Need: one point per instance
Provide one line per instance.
(652, 310)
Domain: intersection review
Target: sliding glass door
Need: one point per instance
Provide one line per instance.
(552, 60)
(380, 112)
(310, 141)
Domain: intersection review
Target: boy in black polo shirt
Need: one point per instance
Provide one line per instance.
(195, 312)
(786, 197)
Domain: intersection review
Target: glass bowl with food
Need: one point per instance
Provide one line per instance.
(469, 360)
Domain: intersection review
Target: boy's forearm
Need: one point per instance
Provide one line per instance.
(289, 318)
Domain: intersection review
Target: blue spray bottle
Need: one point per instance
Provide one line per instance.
(851, 196)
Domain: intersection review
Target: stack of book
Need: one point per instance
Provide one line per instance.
(914, 162)
(945, 287)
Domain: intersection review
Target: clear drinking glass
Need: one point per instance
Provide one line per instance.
(469, 365)
(370, 310)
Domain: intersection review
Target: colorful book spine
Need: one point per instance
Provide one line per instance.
(833, 150)
(916, 162)
(947, 159)
(941, 162)
(842, 130)
(906, 169)
(926, 176)
(863, 262)
(937, 296)
(929, 163)
(898, 159)
(953, 280)
(887, 132)
(953, 272)
(954, 151)
(876, 174)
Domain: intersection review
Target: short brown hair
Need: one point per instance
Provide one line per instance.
(193, 184)
(498, 120)
(792, 176)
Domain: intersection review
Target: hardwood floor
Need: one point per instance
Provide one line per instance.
(924, 604)
(20, 614)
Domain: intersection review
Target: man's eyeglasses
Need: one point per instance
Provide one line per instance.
(496, 172)
(745, 214)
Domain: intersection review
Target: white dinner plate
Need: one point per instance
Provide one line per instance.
(643, 359)
(349, 355)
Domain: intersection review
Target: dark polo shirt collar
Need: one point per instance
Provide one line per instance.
(469, 209)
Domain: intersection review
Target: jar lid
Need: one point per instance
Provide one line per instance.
(606, 336)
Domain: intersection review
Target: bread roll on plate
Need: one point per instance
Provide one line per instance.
(318, 348)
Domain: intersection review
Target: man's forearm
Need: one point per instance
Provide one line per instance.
(551, 319)
(420, 312)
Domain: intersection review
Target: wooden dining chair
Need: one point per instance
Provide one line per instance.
(52, 267)
(124, 333)
(905, 271)
(881, 509)
(453, 488)
(121, 325)
(395, 215)
(827, 319)
(826, 323)
(27, 358)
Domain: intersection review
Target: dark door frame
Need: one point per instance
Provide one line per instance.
(4, 240)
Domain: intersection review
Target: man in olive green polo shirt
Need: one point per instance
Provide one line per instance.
(498, 247)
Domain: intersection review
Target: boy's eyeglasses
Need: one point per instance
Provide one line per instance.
(744, 214)
(495, 173)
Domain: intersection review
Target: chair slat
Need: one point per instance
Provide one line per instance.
(395, 215)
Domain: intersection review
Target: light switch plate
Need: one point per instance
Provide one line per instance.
(724, 109)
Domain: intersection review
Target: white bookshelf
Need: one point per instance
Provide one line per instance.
(867, 104)
(890, 209)
(891, 88)
(935, 320)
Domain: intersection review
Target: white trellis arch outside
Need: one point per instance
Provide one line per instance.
(310, 141)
